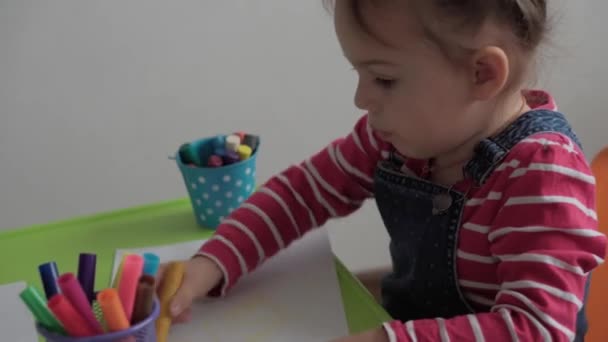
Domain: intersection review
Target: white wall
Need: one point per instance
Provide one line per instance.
(94, 95)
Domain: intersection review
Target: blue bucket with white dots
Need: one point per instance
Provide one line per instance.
(217, 191)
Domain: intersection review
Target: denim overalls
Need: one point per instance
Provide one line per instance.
(423, 220)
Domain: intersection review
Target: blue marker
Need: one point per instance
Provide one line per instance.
(151, 263)
(49, 275)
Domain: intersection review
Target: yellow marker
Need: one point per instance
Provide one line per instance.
(170, 283)
(119, 271)
(244, 152)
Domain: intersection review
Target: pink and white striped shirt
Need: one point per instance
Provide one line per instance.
(528, 237)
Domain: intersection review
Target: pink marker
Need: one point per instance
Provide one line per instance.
(71, 289)
(127, 284)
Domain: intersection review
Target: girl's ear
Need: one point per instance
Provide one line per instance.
(490, 68)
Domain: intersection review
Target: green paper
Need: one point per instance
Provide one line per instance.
(155, 224)
(35, 301)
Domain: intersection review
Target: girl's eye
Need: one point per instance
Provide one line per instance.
(384, 82)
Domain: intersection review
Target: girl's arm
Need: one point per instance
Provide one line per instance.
(333, 183)
(545, 240)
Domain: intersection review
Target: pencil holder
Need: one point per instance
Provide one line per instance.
(216, 191)
(144, 331)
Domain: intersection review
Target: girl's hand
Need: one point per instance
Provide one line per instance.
(375, 335)
(200, 277)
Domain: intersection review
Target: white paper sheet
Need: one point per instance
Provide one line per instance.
(293, 297)
(16, 321)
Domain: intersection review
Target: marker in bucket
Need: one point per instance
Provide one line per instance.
(218, 142)
(144, 299)
(215, 161)
(35, 302)
(68, 315)
(86, 274)
(113, 311)
(70, 287)
(241, 135)
(151, 264)
(231, 157)
(251, 141)
(127, 285)
(232, 143)
(48, 275)
(244, 152)
(187, 154)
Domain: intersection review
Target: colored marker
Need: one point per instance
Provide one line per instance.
(251, 141)
(241, 135)
(231, 157)
(232, 142)
(127, 285)
(215, 161)
(35, 302)
(113, 311)
(119, 271)
(220, 151)
(244, 152)
(70, 287)
(86, 274)
(218, 142)
(68, 315)
(151, 264)
(171, 282)
(144, 299)
(186, 154)
(48, 275)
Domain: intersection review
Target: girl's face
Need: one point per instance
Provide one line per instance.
(416, 99)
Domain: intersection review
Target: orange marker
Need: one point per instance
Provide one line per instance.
(113, 312)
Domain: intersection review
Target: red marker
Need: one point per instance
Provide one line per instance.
(72, 290)
(127, 285)
(69, 317)
(215, 161)
(241, 135)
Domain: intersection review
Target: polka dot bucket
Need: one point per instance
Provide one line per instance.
(216, 191)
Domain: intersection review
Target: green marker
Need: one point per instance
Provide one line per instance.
(37, 305)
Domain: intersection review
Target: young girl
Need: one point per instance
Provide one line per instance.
(481, 184)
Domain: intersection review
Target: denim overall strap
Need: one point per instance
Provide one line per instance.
(423, 283)
(424, 280)
(490, 152)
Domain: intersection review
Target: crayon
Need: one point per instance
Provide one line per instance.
(73, 292)
(127, 285)
(86, 274)
(215, 161)
(144, 299)
(48, 275)
(231, 157)
(171, 282)
(113, 311)
(244, 152)
(151, 264)
(72, 321)
(232, 143)
(35, 302)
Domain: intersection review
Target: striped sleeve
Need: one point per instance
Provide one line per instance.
(546, 239)
(332, 183)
